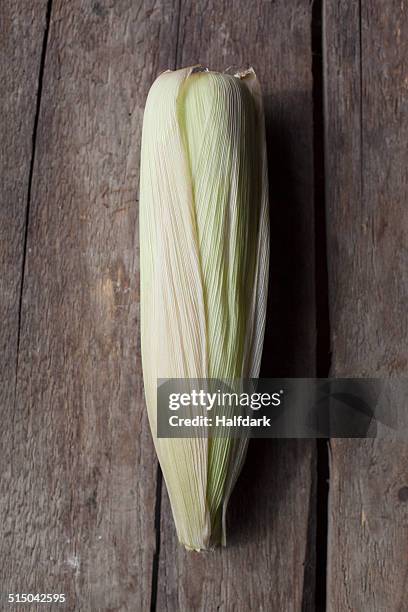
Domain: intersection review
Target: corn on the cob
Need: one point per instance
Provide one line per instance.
(204, 248)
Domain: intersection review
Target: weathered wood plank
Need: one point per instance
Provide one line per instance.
(366, 136)
(22, 27)
(22, 30)
(82, 481)
(266, 566)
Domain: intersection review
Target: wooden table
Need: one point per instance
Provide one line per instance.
(83, 509)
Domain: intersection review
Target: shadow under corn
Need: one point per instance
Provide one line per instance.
(265, 492)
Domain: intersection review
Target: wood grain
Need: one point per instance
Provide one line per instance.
(269, 563)
(81, 484)
(22, 31)
(366, 178)
(78, 491)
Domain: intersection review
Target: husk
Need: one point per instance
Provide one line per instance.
(204, 251)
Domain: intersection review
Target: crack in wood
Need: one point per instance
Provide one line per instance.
(159, 478)
(30, 182)
(156, 556)
(323, 334)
